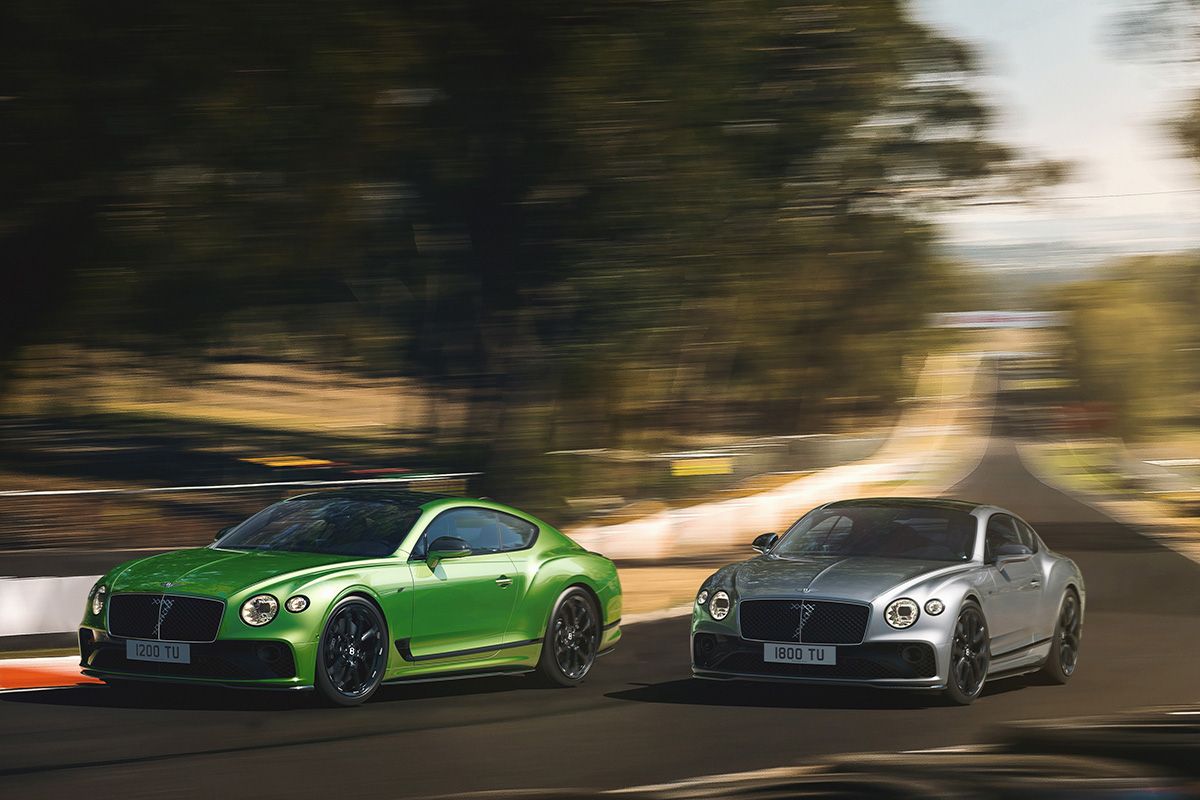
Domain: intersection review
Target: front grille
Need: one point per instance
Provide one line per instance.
(228, 660)
(168, 617)
(808, 621)
(873, 661)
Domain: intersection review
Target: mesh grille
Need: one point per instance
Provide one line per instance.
(862, 662)
(809, 621)
(169, 617)
(231, 660)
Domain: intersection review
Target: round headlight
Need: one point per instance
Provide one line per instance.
(934, 607)
(259, 610)
(98, 595)
(702, 598)
(901, 613)
(718, 607)
(296, 603)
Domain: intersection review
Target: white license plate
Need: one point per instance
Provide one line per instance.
(800, 654)
(167, 652)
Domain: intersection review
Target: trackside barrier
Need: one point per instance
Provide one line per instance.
(179, 516)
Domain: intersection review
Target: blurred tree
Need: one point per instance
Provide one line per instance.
(1136, 340)
(591, 220)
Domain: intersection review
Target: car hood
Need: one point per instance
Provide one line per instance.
(854, 578)
(214, 573)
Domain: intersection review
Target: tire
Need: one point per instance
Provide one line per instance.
(1064, 650)
(351, 653)
(970, 655)
(571, 641)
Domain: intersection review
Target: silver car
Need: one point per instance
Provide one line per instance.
(900, 593)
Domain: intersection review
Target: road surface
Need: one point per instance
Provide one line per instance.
(639, 719)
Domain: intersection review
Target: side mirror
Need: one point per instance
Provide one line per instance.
(1011, 554)
(445, 547)
(764, 542)
(221, 533)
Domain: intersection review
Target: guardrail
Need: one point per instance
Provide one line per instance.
(58, 533)
(160, 516)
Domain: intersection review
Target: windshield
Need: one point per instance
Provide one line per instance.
(926, 533)
(336, 525)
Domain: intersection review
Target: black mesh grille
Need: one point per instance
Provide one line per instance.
(230, 660)
(860, 662)
(824, 622)
(183, 619)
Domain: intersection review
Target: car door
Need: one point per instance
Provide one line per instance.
(1016, 588)
(461, 606)
(517, 539)
(1045, 608)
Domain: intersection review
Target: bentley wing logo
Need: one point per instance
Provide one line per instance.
(164, 604)
(806, 610)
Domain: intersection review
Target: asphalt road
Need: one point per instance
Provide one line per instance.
(639, 719)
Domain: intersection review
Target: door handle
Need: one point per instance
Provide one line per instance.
(503, 581)
(1035, 583)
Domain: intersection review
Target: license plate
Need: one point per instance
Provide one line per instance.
(800, 654)
(166, 652)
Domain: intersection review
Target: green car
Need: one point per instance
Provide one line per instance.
(344, 590)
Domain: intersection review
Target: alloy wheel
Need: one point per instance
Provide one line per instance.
(1069, 625)
(969, 652)
(354, 650)
(576, 637)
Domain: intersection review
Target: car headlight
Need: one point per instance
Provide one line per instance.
(702, 598)
(934, 607)
(98, 595)
(296, 603)
(901, 613)
(719, 605)
(259, 610)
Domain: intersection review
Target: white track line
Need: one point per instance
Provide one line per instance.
(723, 778)
(655, 616)
(269, 484)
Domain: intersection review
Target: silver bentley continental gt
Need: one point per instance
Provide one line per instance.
(899, 593)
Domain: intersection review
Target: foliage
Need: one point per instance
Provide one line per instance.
(592, 218)
(1136, 339)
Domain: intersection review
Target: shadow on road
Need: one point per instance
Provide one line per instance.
(209, 698)
(747, 694)
(691, 691)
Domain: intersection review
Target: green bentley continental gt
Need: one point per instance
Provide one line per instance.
(345, 590)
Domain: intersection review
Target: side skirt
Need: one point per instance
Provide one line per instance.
(404, 648)
(488, 672)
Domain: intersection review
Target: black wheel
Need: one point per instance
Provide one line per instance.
(970, 655)
(571, 641)
(352, 653)
(1064, 650)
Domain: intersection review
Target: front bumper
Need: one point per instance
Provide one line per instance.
(267, 663)
(888, 664)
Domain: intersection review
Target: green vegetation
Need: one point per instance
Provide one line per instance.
(602, 223)
(1136, 341)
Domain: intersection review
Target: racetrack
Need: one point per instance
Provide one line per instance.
(639, 719)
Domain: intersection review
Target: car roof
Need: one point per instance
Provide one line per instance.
(378, 494)
(908, 502)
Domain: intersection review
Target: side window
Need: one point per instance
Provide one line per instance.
(515, 533)
(1028, 537)
(1001, 530)
(476, 526)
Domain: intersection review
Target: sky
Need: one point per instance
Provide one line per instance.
(1065, 88)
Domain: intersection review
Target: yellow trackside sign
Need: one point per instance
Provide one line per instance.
(690, 467)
